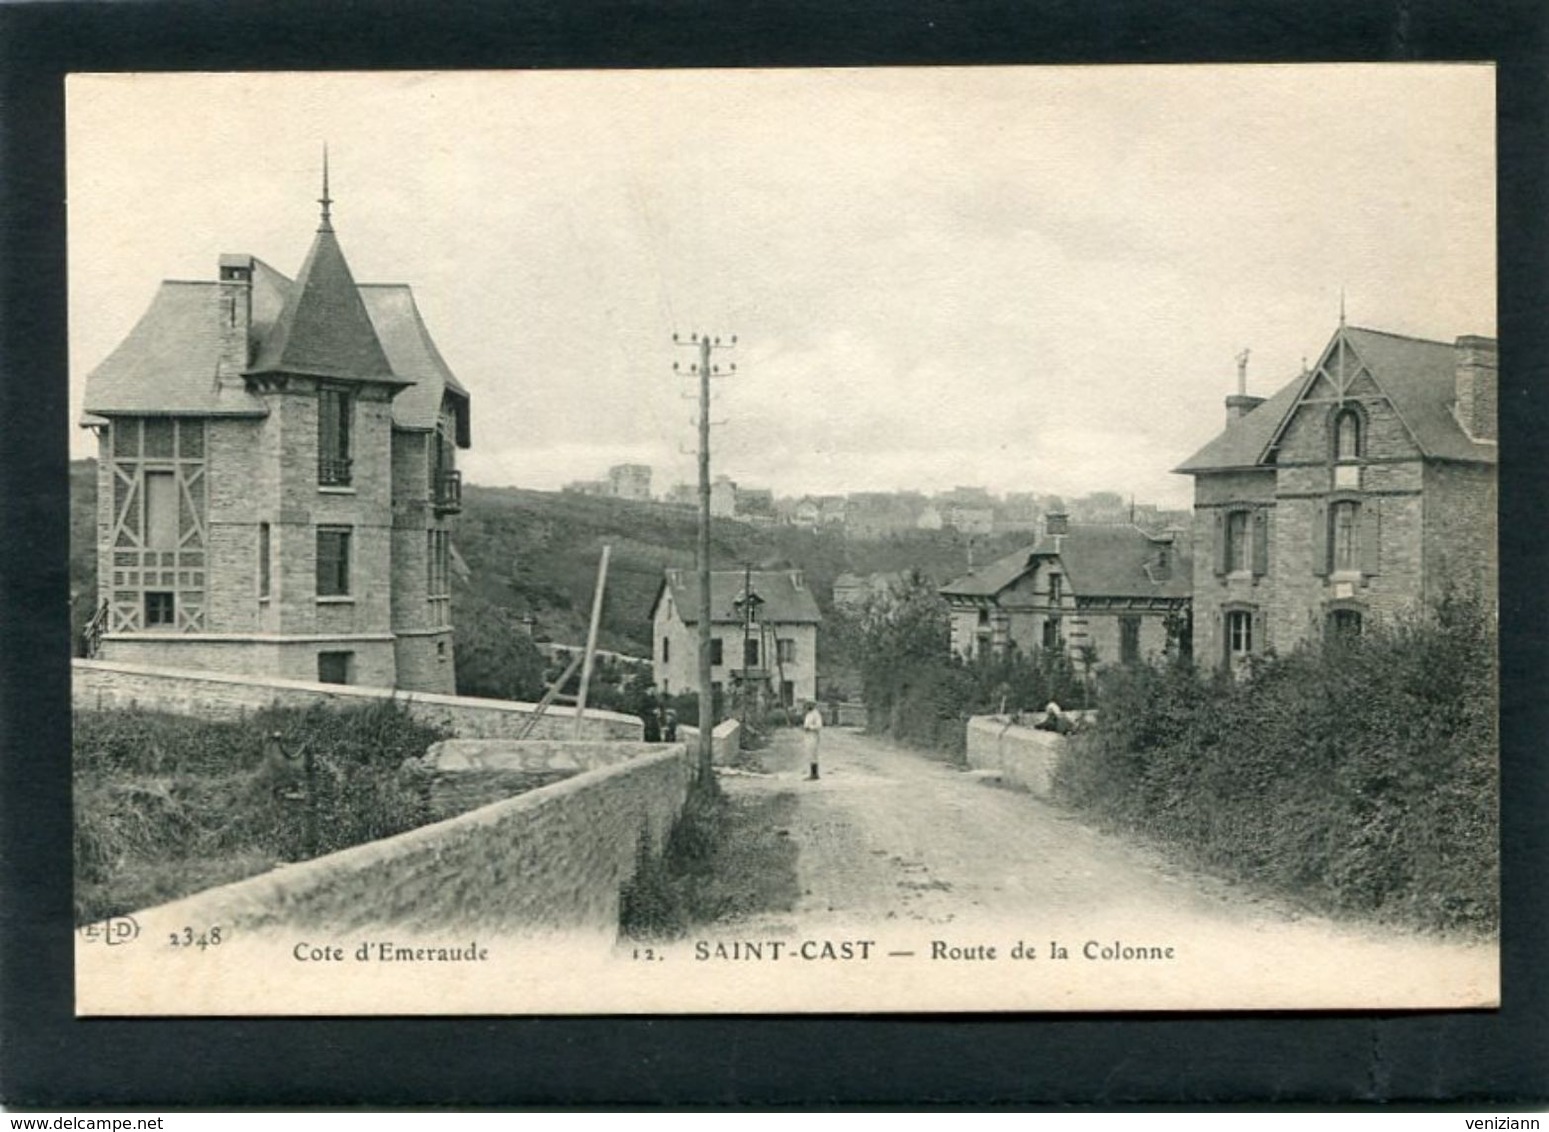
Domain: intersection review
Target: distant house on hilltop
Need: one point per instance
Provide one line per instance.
(1363, 488)
(629, 481)
(1114, 589)
(276, 478)
(772, 641)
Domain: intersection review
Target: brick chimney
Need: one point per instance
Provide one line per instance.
(1240, 405)
(1475, 384)
(236, 317)
(1056, 523)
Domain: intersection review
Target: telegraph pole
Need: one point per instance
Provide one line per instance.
(703, 343)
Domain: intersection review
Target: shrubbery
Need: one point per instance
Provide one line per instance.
(166, 805)
(918, 693)
(1359, 774)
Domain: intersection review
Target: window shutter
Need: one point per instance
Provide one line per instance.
(1220, 543)
(1371, 537)
(1320, 538)
(1223, 632)
(1260, 632)
(1260, 542)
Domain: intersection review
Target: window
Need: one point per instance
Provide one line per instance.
(787, 692)
(160, 609)
(161, 519)
(438, 563)
(1056, 588)
(333, 562)
(666, 650)
(334, 667)
(1237, 542)
(1342, 542)
(1239, 633)
(1347, 435)
(263, 560)
(1051, 632)
(334, 410)
(750, 652)
(1344, 623)
(715, 651)
(1129, 640)
(787, 650)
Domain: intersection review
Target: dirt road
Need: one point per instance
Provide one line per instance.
(922, 856)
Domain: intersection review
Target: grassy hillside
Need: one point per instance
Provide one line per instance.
(536, 553)
(531, 553)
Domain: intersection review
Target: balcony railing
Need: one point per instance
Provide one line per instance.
(333, 471)
(447, 491)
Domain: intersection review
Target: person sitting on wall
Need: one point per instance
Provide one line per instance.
(1055, 720)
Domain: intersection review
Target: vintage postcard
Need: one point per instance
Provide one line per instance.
(784, 541)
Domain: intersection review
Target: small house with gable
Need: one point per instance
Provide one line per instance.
(764, 631)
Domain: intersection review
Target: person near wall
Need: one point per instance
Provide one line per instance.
(1054, 719)
(811, 734)
(650, 715)
(670, 726)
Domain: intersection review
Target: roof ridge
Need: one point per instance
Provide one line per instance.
(1403, 337)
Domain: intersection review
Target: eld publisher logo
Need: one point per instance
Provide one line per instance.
(112, 931)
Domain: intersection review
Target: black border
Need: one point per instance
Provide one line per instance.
(48, 1058)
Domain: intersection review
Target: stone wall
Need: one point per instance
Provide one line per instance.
(725, 740)
(1022, 757)
(549, 861)
(209, 695)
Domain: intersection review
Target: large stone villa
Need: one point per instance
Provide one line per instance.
(1364, 488)
(276, 478)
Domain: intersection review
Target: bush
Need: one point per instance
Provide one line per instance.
(165, 805)
(1358, 774)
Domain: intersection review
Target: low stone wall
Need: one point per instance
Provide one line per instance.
(210, 695)
(549, 861)
(469, 773)
(849, 715)
(1022, 757)
(725, 740)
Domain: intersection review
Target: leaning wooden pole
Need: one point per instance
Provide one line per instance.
(591, 640)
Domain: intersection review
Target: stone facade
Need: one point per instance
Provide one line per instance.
(293, 520)
(1363, 496)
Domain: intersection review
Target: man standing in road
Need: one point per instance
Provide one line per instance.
(811, 733)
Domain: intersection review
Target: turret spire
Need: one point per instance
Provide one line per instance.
(326, 225)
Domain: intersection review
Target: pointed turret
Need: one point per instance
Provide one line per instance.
(324, 330)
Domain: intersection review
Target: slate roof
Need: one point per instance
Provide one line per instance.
(414, 357)
(1098, 560)
(1417, 374)
(783, 601)
(167, 364)
(323, 329)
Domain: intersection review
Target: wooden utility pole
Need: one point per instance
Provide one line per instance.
(704, 344)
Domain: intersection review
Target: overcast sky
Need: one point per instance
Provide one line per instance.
(1030, 279)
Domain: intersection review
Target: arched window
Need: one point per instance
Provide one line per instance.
(1347, 435)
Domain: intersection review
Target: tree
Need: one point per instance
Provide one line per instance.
(495, 658)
